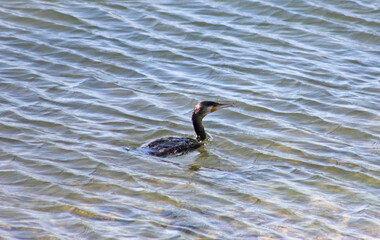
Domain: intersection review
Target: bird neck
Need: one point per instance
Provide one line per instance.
(198, 127)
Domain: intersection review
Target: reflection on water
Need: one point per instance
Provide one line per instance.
(297, 158)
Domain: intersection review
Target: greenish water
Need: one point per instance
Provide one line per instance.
(297, 158)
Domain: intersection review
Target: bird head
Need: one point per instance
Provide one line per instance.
(206, 107)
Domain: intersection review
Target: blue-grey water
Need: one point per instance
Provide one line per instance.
(297, 158)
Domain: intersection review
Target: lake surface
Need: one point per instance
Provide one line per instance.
(297, 158)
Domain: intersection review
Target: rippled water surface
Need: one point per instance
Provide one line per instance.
(297, 158)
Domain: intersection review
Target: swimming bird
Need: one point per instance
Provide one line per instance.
(176, 145)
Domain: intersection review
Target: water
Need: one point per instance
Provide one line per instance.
(297, 158)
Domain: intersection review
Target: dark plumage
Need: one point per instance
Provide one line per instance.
(171, 146)
(176, 145)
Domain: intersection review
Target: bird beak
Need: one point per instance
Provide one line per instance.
(221, 106)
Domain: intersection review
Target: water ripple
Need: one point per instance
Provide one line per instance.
(297, 158)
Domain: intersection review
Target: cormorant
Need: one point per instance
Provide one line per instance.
(175, 145)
